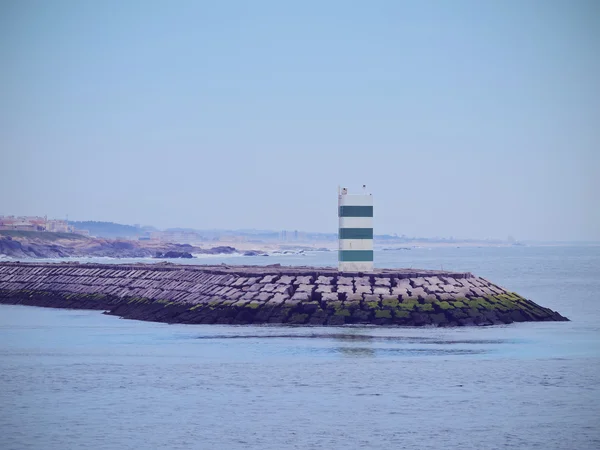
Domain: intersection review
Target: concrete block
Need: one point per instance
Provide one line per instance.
(344, 281)
(380, 281)
(324, 280)
(382, 290)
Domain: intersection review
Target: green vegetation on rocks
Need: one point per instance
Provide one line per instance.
(298, 318)
(444, 305)
(390, 302)
(342, 312)
(426, 307)
(383, 314)
(408, 304)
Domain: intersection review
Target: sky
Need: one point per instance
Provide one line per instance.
(471, 119)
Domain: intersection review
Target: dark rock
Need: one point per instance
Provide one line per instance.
(466, 322)
(336, 320)
(245, 316)
(254, 253)
(420, 319)
(361, 316)
(319, 317)
(438, 319)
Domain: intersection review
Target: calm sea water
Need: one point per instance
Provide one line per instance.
(80, 379)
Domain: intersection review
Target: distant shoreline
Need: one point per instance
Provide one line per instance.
(33, 244)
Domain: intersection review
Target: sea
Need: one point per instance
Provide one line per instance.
(73, 379)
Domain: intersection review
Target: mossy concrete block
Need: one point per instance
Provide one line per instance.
(342, 312)
(402, 314)
(383, 313)
(444, 305)
(298, 319)
(408, 305)
(425, 308)
(335, 304)
(253, 305)
(372, 304)
(390, 302)
(336, 320)
(351, 305)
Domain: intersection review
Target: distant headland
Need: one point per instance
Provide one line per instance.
(40, 237)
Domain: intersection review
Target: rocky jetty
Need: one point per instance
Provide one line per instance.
(271, 294)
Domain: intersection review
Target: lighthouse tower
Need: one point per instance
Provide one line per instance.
(355, 212)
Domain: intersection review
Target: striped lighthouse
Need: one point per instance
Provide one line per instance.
(355, 212)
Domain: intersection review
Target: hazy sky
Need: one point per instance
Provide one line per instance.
(464, 118)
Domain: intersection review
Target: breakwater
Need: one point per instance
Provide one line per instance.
(268, 294)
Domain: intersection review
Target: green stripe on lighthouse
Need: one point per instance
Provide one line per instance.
(356, 211)
(355, 255)
(356, 233)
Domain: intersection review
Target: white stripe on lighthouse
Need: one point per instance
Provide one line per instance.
(356, 222)
(356, 244)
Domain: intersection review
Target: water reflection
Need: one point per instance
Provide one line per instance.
(366, 343)
(348, 343)
(355, 352)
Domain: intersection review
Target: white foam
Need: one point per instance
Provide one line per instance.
(217, 255)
